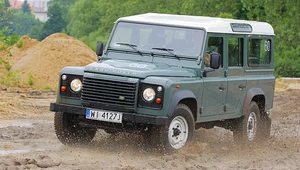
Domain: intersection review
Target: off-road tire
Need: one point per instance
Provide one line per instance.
(160, 137)
(254, 127)
(69, 132)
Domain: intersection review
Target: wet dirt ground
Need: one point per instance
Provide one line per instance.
(28, 141)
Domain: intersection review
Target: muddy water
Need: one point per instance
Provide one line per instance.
(28, 141)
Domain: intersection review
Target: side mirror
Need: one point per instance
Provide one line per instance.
(99, 50)
(215, 60)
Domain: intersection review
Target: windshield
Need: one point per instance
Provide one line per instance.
(183, 42)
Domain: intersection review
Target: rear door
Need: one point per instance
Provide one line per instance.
(235, 73)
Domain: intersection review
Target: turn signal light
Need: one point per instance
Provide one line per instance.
(63, 88)
(158, 100)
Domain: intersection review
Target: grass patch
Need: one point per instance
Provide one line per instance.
(2, 61)
(47, 87)
(20, 43)
(7, 66)
(9, 78)
(3, 47)
(30, 79)
(12, 78)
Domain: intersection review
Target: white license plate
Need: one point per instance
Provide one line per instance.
(104, 115)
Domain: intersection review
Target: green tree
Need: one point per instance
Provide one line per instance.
(26, 8)
(65, 6)
(7, 37)
(84, 18)
(239, 11)
(284, 17)
(255, 9)
(35, 31)
(23, 23)
(55, 23)
(6, 14)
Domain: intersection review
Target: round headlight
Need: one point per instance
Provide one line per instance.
(76, 85)
(149, 94)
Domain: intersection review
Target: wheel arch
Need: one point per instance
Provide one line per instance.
(256, 95)
(186, 97)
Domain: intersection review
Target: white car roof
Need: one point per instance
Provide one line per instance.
(210, 24)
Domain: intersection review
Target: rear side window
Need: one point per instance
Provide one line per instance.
(259, 52)
(235, 52)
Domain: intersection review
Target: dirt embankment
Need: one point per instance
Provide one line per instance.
(39, 63)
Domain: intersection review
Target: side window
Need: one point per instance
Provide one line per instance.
(259, 52)
(215, 45)
(235, 52)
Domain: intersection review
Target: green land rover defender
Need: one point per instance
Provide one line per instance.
(168, 75)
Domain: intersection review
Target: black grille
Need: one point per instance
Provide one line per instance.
(108, 94)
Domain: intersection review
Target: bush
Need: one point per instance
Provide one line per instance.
(30, 79)
(7, 66)
(7, 41)
(11, 78)
(20, 43)
(11, 40)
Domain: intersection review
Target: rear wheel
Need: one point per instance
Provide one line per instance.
(69, 132)
(252, 127)
(177, 133)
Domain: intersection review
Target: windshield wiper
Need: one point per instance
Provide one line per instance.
(131, 46)
(168, 50)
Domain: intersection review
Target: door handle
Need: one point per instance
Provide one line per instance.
(221, 88)
(242, 86)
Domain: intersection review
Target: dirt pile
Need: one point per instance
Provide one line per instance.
(18, 50)
(40, 62)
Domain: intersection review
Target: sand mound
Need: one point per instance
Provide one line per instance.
(43, 61)
(15, 53)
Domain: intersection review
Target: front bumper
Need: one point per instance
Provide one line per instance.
(127, 117)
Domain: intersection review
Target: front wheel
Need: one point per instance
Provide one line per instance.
(177, 133)
(252, 127)
(69, 132)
